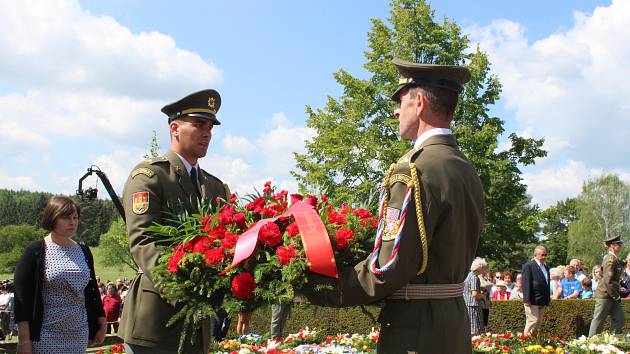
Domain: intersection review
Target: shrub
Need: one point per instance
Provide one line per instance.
(566, 319)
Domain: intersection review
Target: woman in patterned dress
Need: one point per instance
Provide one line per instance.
(57, 304)
(473, 296)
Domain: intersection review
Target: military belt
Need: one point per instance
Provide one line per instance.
(428, 292)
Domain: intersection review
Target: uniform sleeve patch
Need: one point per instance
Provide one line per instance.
(142, 171)
(140, 202)
(392, 223)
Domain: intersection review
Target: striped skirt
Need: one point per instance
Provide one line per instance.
(476, 320)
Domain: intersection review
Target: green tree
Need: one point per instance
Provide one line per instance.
(554, 226)
(603, 210)
(96, 218)
(115, 246)
(357, 136)
(13, 240)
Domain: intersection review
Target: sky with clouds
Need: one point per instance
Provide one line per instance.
(82, 82)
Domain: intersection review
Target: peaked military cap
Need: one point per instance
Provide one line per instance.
(450, 77)
(203, 104)
(613, 239)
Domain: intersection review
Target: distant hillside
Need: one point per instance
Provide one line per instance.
(24, 207)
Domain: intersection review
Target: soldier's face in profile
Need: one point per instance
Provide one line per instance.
(406, 115)
(193, 135)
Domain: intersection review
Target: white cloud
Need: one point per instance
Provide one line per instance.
(278, 144)
(549, 185)
(16, 182)
(57, 44)
(238, 145)
(570, 87)
(82, 74)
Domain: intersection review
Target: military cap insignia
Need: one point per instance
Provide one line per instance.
(211, 102)
(140, 202)
(392, 223)
(142, 171)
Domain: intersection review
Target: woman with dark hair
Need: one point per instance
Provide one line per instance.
(58, 308)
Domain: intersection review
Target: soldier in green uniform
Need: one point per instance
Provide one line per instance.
(607, 299)
(155, 187)
(432, 207)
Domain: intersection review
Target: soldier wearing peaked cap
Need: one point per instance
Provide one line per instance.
(432, 207)
(155, 187)
(607, 298)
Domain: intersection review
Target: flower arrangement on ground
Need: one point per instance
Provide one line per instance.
(518, 343)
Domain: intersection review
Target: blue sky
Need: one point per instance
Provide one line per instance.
(82, 82)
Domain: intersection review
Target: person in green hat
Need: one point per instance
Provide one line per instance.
(432, 207)
(607, 298)
(156, 187)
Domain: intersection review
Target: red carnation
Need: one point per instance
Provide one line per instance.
(296, 198)
(285, 254)
(229, 241)
(173, 262)
(344, 236)
(243, 286)
(214, 256)
(205, 220)
(218, 232)
(312, 200)
(293, 230)
(362, 213)
(336, 218)
(201, 243)
(232, 198)
(239, 220)
(268, 212)
(279, 196)
(255, 205)
(324, 198)
(226, 216)
(267, 188)
(270, 234)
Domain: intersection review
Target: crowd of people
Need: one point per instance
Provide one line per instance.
(566, 282)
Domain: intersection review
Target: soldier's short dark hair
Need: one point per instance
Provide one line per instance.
(58, 207)
(442, 101)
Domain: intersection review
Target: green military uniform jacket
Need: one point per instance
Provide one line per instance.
(453, 206)
(608, 287)
(155, 187)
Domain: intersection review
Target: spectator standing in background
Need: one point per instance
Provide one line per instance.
(487, 283)
(597, 276)
(587, 290)
(507, 278)
(501, 292)
(517, 292)
(473, 296)
(111, 304)
(577, 265)
(555, 290)
(571, 287)
(535, 290)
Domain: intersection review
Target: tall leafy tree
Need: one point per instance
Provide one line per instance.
(13, 240)
(603, 210)
(554, 226)
(114, 246)
(357, 136)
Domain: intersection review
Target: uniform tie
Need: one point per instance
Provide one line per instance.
(195, 181)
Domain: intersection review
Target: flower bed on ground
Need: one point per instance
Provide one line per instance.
(309, 341)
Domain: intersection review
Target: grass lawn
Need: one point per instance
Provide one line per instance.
(106, 273)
